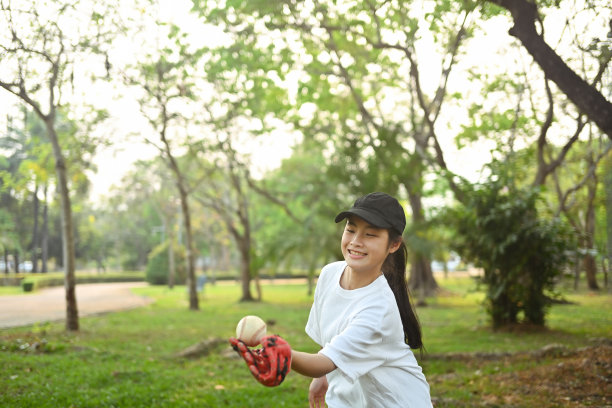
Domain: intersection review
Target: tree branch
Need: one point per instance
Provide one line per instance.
(586, 98)
(563, 197)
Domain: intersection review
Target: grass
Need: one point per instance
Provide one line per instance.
(127, 359)
(11, 290)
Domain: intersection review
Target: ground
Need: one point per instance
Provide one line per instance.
(552, 377)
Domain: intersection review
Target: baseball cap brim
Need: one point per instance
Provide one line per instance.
(371, 217)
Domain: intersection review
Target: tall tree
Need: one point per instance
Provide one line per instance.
(166, 80)
(529, 30)
(576, 194)
(39, 56)
(46, 45)
(37, 171)
(227, 194)
(534, 127)
(245, 107)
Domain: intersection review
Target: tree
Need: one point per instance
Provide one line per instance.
(46, 46)
(585, 96)
(15, 191)
(227, 194)
(579, 209)
(39, 53)
(539, 136)
(246, 103)
(360, 88)
(33, 174)
(167, 81)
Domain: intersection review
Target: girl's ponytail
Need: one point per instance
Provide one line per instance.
(394, 270)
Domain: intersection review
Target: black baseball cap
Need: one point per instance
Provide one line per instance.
(379, 209)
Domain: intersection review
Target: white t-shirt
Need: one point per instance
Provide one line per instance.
(361, 332)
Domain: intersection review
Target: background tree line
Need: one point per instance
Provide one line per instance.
(374, 95)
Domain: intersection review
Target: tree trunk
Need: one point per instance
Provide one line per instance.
(182, 188)
(44, 239)
(590, 265)
(311, 274)
(191, 278)
(168, 235)
(68, 249)
(259, 294)
(421, 281)
(586, 97)
(171, 263)
(590, 271)
(608, 200)
(17, 261)
(604, 269)
(245, 270)
(35, 232)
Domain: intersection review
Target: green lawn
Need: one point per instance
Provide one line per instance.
(128, 359)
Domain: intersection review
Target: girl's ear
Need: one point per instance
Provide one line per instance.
(395, 246)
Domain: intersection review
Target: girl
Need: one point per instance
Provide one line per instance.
(362, 319)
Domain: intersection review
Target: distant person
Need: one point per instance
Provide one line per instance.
(361, 317)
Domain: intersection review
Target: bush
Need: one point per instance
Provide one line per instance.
(158, 268)
(43, 281)
(27, 285)
(520, 252)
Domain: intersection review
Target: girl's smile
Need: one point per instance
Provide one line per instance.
(365, 248)
(356, 254)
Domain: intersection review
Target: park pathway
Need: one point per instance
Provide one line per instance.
(50, 305)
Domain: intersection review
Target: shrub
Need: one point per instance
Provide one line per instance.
(158, 268)
(27, 285)
(521, 253)
(45, 281)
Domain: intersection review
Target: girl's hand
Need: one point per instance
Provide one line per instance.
(316, 392)
(269, 364)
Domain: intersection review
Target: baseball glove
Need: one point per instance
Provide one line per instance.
(269, 364)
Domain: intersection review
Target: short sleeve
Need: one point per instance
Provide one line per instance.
(359, 347)
(312, 325)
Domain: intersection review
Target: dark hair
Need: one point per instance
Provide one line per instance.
(394, 269)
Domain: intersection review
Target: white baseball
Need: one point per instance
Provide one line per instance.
(251, 329)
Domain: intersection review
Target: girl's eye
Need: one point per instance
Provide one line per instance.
(349, 230)
(370, 235)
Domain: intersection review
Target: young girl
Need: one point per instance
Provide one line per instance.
(362, 319)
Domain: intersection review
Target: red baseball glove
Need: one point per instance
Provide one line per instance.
(269, 364)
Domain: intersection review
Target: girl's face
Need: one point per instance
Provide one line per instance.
(364, 246)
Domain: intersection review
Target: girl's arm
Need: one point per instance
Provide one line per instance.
(311, 365)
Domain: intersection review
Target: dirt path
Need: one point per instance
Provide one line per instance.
(50, 305)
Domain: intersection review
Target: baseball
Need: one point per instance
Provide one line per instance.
(251, 329)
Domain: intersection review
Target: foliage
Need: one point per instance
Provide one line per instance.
(357, 89)
(158, 264)
(500, 230)
(307, 237)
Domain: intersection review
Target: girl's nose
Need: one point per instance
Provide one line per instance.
(356, 239)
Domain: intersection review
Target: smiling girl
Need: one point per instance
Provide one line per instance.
(361, 317)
